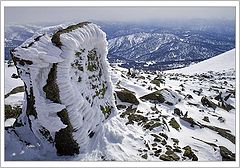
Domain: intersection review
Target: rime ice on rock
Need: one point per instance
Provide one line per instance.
(68, 91)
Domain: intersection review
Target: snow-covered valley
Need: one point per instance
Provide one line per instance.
(178, 115)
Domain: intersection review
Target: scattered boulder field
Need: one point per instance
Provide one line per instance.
(166, 116)
(184, 117)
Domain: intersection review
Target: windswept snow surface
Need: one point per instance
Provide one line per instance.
(10, 83)
(218, 63)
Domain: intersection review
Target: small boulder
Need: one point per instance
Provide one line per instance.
(174, 124)
(208, 103)
(169, 152)
(15, 76)
(154, 96)
(163, 135)
(178, 112)
(226, 154)
(189, 153)
(174, 156)
(175, 140)
(145, 156)
(121, 106)
(188, 96)
(127, 96)
(166, 157)
(205, 118)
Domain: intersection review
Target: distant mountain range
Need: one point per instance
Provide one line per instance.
(15, 35)
(173, 44)
(158, 42)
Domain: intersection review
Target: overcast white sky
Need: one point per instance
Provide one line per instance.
(56, 14)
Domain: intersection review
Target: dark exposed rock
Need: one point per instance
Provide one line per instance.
(158, 151)
(128, 111)
(30, 103)
(189, 153)
(157, 138)
(221, 119)
(156, 82)
(121, 106)
(56, 37)
(193, 104)
(152, 124)
(198, 92)
(15, 76)
(106, 110)
(177, 149)
(155, 96)
(192, 122)
(188, 96)
(225, 106)
(206, 76)
(154, 144)
(11, 112)
(17, 89)
(208, 103)
(174, 124)
(166, 96)
(226, 154)
(169, 152)
(65, 144)
(137, 118)
(91, 134)
(233, 92)
(164, 142)
(178, 112)
(169, 103)
(166, 157)
(219, 97)
(168, 147)
(176, 141)
(222, 102)
(206, 119)
(165, 123)
(174, 156)
(127, 96)
(163, 135)
(227, 97)
(145, 156)
(46, 134)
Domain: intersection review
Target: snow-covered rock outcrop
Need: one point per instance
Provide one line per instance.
(68, 90)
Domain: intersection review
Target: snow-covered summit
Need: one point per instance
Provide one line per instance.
(218, 63)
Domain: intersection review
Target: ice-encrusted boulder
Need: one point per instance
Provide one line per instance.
(68, 90)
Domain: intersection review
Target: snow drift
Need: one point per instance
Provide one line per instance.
(68, 91)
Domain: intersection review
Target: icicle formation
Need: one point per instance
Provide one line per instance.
(67, 84)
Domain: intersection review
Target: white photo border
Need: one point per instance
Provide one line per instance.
(118, 4)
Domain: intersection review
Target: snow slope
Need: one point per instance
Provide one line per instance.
(128, 142)
(218, 63)
(136, 132)
(10, 83)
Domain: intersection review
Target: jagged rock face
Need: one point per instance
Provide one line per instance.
(68, 90)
